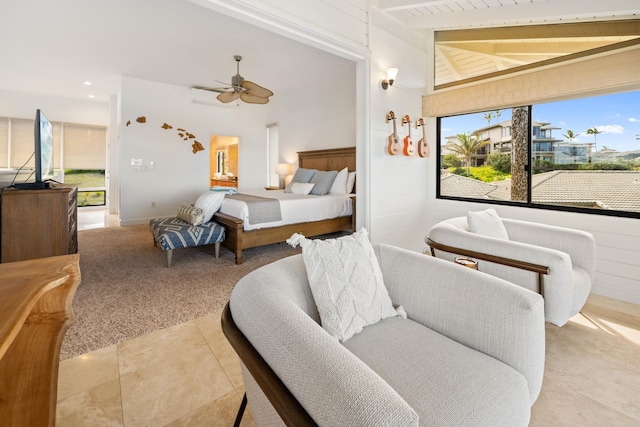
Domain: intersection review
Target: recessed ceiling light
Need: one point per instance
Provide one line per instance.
(92, 96)
(88, 83)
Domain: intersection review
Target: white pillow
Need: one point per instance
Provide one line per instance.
(339, 185)
(351, 180)
(346, 283)
(302, 188)
(487, 223)
(209, 202)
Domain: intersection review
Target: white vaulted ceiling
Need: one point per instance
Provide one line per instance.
(51, 47)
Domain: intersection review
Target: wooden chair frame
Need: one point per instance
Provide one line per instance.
(283, 401)
(540, 270)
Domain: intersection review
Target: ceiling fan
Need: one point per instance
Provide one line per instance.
(247, 91)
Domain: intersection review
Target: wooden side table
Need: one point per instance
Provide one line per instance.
(35, 313)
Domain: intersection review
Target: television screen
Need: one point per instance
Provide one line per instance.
(43, 132)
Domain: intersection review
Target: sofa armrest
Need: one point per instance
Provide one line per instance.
(330, 383)
(579, 244)
(480, 311)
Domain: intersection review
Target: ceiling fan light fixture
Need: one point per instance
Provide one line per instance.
(240, 89)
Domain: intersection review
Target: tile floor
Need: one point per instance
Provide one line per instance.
(96, 217)
(188, 375)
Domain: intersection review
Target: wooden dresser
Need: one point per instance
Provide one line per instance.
(38, 223)
(35, 313)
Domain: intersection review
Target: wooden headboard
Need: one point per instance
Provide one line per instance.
(329, 159)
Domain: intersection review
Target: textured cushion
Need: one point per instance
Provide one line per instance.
(301, 188)
(444, 381)
(209, 202)
(351, 180)
(174, 233)
(191, 214)
(487, 223)
(339, 185)
(346, 282)
(323, 182)
(302, 175)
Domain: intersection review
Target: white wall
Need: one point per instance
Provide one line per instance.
(398, 184)
(320, 115)
(179, 175)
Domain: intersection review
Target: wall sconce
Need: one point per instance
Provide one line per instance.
(391, 77)
(283, 169)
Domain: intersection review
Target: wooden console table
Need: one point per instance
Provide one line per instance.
(35, 313)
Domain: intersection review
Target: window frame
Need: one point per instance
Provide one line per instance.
(529, 204)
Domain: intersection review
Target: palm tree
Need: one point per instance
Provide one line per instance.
(519, 140)
(570, 135)
(488, 116)
(466, 147)
(498, 113)
(595, 132)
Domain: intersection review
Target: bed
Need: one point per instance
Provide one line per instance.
(238, 238)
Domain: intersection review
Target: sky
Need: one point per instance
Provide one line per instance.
(617, 116)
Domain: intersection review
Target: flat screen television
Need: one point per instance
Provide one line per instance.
(43, 153)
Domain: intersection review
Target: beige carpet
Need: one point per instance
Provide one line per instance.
(128, 291)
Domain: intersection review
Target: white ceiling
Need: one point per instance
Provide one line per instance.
(52, 46)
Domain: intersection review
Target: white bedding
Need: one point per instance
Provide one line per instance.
(295, 208)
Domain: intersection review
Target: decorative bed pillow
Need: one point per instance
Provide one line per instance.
(302, 175)
(191, 214)
(487, 223)
(323, 182)
(339, 185)
(209, 202)
(351, 180)
(301, 188)
(346, 282)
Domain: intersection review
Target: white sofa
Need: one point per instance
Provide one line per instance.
(470, 353)
(557, 262)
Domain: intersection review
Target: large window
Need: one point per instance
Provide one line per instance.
(578, 155)
(79, 156)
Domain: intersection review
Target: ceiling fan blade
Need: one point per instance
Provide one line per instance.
(210, 89)
(228, 96)
(227, 86)
(250, 98)
(256, 89)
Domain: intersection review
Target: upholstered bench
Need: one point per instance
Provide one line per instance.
(174, 233)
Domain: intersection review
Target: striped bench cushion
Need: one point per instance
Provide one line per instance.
(174, 233)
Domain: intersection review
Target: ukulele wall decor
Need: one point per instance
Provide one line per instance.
(423, 144)
(394, 146)
(409, 149)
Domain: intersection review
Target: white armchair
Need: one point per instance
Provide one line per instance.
(559, 263)
(470, 352)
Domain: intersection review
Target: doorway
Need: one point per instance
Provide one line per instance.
(223, 161)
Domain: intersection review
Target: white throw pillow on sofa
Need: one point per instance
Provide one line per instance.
(487, 223)
(346, 283)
